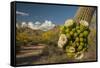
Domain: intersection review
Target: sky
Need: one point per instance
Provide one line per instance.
(57, 14)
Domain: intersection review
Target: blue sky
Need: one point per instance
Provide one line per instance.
(41, 12)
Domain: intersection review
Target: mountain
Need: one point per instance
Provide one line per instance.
(47, 25)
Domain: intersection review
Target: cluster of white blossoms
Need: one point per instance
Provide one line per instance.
(62, 40)
(84, 23)
(69, 22)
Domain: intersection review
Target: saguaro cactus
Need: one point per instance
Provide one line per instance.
(84, 13)
(76, 31)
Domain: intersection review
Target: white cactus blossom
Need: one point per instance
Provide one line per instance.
(79, 55)
(69, 22)
(84, 23)
(62, 40)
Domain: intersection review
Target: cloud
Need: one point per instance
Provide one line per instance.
(44, 26)
(22, 13)
(37, 23)
(30, 24)
(47, 25)
(24, 24)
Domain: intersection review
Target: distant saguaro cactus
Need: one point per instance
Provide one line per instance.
(84, 13)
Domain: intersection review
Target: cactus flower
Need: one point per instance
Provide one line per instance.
(62, 40)
(79, 55)
(69, 22)
(84, 23)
